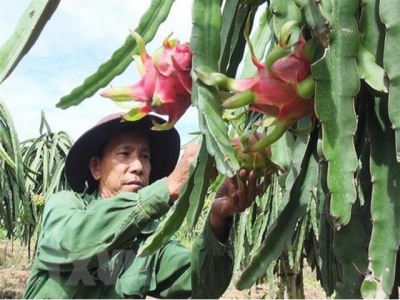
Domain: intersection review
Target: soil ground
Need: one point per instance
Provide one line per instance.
(14, 270)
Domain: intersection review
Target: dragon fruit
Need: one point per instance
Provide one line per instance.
(165, 84)
(283, 87)
(258, 161)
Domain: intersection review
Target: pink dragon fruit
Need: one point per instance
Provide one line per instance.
(165, 83)
(283, 88)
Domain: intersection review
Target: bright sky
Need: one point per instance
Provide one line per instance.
(81, 35)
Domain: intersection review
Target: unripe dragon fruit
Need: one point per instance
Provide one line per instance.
(165, 83)
(258, 161)
(283, 87)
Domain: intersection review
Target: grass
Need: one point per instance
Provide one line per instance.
(14, 269)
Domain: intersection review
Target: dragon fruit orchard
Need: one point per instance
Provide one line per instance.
(283, 87)
(165, 84)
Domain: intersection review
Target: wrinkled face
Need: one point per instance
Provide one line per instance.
(124, 165)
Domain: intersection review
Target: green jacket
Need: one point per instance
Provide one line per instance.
(88, 246)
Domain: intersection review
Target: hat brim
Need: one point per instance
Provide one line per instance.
(164, 150)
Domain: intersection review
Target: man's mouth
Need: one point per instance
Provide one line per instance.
(138, 183)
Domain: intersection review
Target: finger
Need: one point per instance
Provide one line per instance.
(231, 185)
(241, 195)
(251, 188)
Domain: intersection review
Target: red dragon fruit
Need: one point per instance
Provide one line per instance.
(283, 87)
(165, 83)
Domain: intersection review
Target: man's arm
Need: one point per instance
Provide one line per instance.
(204, 272)
(72, 233)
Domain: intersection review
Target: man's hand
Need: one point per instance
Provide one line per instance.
(235, 195)
(178, 177)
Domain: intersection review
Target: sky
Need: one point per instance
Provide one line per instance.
(80, 36)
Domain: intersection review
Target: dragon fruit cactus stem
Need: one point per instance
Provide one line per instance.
(164, 86)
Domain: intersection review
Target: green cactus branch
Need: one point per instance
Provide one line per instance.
(25, 35)
(334, 104)
(389, 13)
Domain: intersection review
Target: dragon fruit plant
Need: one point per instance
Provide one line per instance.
(283, 87)
(165, 84)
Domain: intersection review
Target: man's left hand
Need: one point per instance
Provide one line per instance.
(234, 196)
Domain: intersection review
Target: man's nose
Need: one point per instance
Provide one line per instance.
(135, 165)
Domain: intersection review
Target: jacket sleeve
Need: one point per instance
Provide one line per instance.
(73, 235)
(204, 272)
(212, 266)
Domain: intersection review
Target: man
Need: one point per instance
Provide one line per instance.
(124, 176)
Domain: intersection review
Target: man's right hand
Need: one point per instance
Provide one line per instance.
(178, 177)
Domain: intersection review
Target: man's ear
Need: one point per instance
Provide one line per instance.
(94, 166)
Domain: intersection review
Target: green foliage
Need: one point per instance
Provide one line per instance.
(44, 161)
(30, 172)
(16, 211)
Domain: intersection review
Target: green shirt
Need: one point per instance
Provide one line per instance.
(88, 247)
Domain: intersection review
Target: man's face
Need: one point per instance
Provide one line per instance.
(124, 165)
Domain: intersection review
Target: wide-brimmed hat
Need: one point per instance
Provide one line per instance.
(164, 149)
